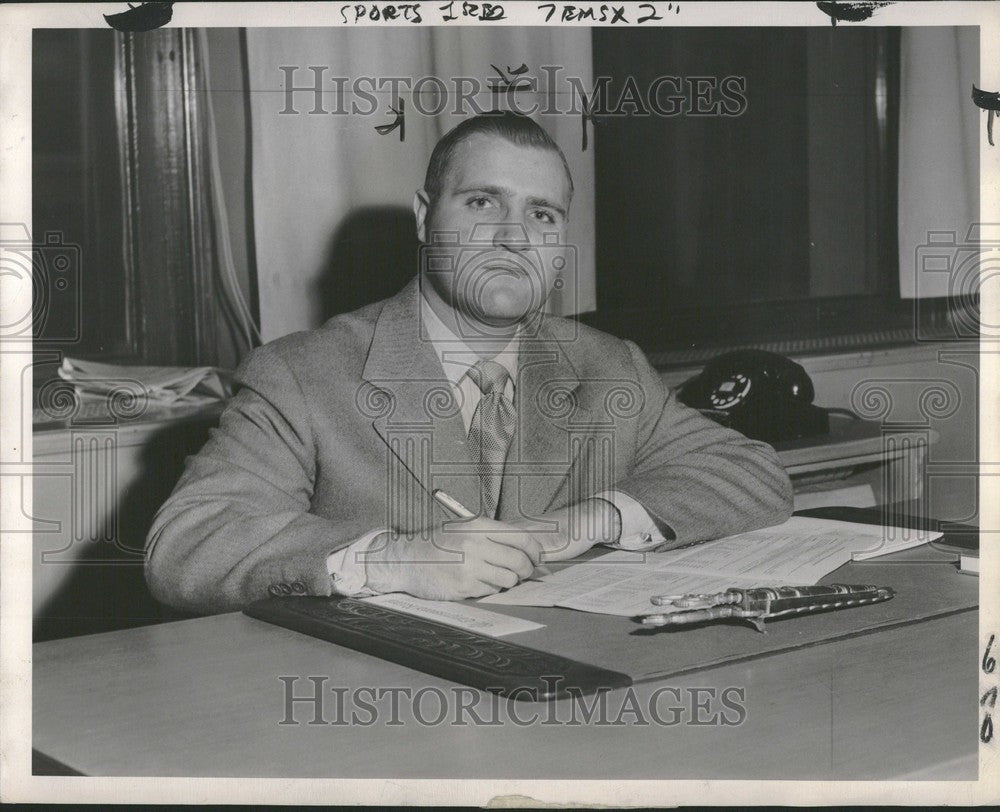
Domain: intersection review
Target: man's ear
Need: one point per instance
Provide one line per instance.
(421, 205)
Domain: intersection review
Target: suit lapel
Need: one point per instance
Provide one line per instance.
(419, 419)
(558, 454)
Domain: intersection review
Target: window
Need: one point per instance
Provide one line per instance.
(777, 224)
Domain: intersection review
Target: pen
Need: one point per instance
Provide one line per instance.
(460, 510)
(452, 504)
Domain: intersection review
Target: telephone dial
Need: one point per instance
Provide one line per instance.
(760, 394)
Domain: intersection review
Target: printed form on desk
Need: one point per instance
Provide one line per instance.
(796, 553)
(455, 614)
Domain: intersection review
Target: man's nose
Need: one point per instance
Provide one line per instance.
(511, 236)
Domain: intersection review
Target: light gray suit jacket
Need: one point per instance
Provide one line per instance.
(345, 429)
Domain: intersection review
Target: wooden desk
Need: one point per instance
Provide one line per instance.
(203, 697)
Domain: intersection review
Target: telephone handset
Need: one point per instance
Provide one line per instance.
(760, 394)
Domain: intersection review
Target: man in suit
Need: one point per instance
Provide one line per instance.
(555, 436)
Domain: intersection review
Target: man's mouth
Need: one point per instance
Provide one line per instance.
(507, 266)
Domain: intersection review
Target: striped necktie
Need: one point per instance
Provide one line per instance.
(491, 431)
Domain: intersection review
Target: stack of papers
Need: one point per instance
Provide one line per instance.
(796, 553)
(158, 386)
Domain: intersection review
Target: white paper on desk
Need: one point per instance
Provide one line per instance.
(797, 553)
(632, 597)
(456, 614)
(874, 540)
(527, 593)
(568, 583)
(761, 558)
(618, 584)
(789, 554)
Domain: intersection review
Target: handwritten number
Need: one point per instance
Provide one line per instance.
(652, 13)
(989, 698)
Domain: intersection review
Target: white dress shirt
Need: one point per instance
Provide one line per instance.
(346, 566)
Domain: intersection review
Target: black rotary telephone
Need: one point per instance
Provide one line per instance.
(760, 394)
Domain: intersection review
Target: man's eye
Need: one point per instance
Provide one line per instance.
(544, 216)
(480, 202)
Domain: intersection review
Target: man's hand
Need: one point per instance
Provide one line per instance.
(462, 560)
(566, 533)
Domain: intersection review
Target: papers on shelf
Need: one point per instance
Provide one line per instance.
(797, 553)
(456, 614)
(155, 385)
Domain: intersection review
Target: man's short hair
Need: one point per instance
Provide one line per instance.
(513, 127)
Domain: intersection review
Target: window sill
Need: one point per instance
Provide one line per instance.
(914, 352)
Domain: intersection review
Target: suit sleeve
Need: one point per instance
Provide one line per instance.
(237, 526)
(700, 479)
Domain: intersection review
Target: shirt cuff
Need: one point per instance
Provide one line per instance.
(347, 567)
(639, 530)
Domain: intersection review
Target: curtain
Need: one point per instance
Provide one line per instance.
(332, 197)
(938, 152)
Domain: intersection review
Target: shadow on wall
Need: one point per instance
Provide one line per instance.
(95, 583)
(371, 256)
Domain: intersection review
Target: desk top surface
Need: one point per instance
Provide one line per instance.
(873, 695)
